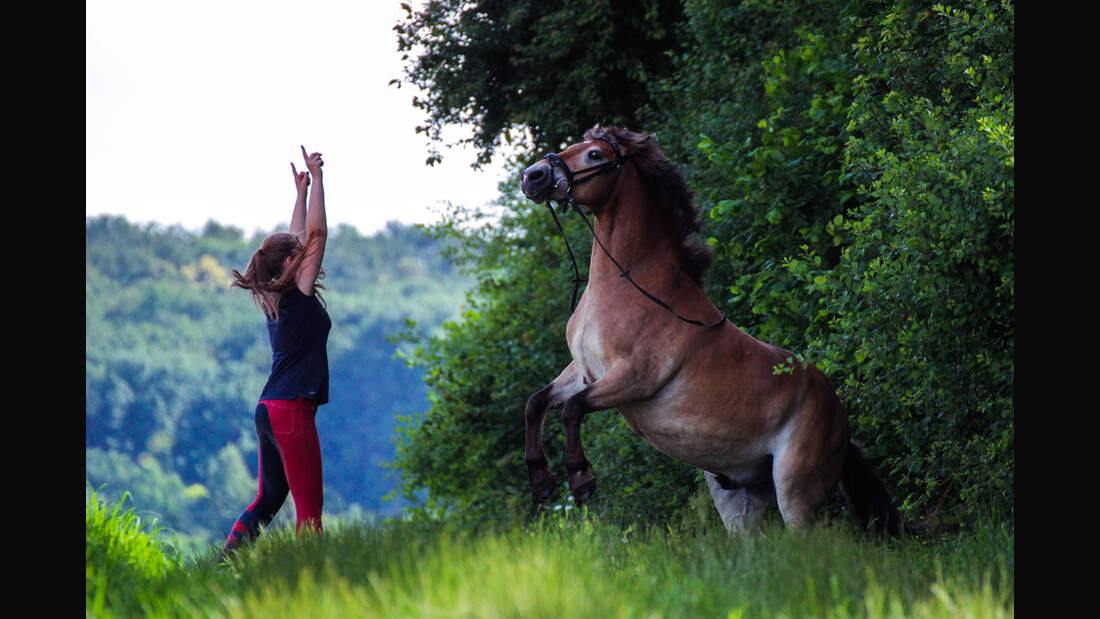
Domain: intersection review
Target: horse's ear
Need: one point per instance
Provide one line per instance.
(641, 141)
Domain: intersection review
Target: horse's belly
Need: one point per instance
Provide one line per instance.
(697, 437)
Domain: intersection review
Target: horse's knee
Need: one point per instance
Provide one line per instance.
(573, 412)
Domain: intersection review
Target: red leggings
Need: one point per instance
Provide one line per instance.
(290, 460)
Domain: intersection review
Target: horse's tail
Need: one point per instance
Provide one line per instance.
(867, 497)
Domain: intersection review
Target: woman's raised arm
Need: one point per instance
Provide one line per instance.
(298, 217)
(316, 226)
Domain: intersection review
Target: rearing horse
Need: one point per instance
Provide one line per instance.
(646, 340)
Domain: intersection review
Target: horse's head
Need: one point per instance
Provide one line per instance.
(584, 172)
(589, 173)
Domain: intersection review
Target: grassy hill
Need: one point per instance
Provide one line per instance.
(566, 565)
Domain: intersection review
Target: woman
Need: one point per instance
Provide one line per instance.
(282, 277)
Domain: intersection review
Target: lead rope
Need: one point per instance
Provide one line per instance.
(598, 170)
(577, 279)
(622, 272)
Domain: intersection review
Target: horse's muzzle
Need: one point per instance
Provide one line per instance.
(538, 182)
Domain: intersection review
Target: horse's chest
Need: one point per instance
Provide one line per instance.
(589, 351)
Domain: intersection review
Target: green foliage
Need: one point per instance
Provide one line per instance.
(919, 315)
(858, 173)
(533, 73)
(855, 164)
(175, 360)
(768, 85)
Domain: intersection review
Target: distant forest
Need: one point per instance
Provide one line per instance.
(175, 359)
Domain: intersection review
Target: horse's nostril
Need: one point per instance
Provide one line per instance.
(537, 179)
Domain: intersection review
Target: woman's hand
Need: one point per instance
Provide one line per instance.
(313, 162)
(301, 180)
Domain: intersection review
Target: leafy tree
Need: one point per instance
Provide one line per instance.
(919, 317)
(533, 73)
(719, 84)
(854, 160)
(766, 86)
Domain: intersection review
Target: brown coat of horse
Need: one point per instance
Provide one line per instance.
(684, 378)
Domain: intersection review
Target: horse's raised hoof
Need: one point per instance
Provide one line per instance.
(583, 486)
(542, 486)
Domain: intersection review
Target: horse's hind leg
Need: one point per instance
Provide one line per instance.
(799, 493)
(805, 472)
(741, 509)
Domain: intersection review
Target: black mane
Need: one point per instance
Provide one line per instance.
(664, 181)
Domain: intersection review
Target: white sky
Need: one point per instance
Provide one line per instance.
(196, 109)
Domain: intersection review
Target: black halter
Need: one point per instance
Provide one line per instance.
(575, 178)
(590, 173)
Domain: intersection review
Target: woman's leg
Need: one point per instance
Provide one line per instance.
(293, 425)
(273, 486)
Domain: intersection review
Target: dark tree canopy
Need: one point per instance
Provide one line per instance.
(552, 69)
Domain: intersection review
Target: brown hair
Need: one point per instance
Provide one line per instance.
(265, 276)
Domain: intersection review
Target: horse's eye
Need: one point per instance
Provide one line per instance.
(595, 154)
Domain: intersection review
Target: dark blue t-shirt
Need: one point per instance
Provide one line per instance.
(299, 341)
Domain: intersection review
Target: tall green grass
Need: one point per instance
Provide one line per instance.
(569, 565)
(122, 557)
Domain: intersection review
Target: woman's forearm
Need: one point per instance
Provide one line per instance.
(316, 222)
(316, 226)
(298, 217)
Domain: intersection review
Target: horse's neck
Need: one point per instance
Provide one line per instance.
(633, 234)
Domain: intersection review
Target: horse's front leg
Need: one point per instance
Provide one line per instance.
(618, 386)
(541, 480)
(539, 477)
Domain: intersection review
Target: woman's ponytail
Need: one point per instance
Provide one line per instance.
(264, 276)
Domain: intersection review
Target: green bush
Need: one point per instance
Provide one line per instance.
(918, 315)
(856, 161)
(855, 164)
